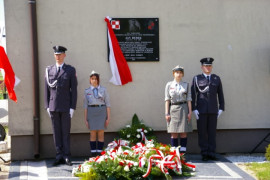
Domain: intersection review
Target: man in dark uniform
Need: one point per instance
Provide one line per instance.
(60, 102)
(207, 106)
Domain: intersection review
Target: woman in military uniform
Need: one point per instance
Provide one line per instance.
(178, 109)
(97, 112)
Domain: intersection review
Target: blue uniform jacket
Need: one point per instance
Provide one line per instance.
(210, 101)
(63, 96)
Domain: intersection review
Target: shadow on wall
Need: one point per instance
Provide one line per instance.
(3, 112)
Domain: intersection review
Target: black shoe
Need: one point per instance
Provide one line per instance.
(68, 162)
(58, 162)
(204, 158)
(213, 158)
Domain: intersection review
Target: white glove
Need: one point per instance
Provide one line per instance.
(71, 111)
(219, 113)
(196, 113)
(48, 110)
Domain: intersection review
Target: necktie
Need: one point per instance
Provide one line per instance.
(95, 90)
(208, 79)
(58, 70)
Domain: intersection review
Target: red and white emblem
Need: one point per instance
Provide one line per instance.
(115, 24)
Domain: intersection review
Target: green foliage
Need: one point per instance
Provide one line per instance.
(156, 172)
(132, 132)
(135, 120)
(261, 170)
(267, 154)
(91, 174)
(112, 169)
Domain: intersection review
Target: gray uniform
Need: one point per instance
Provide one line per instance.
(96, 106)
(178, 94)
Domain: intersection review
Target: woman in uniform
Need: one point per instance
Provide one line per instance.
(97, 112)
(178, 109)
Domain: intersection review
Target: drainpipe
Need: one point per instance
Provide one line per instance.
(36, 115)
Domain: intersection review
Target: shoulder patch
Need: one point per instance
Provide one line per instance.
(214, 75)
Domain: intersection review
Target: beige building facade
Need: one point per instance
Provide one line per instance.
(235, 33)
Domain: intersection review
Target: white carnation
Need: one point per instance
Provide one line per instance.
(145, 131)
(128, 136)
(162, 148)
(126, 168)
(138, 136)
(86, 168)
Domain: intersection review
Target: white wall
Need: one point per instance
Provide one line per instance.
(235, 33)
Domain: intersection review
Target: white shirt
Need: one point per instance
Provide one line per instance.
(205, 75)
(57, 66)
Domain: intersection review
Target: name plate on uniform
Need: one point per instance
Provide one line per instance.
(137, 37)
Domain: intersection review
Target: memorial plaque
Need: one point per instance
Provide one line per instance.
(138, 38)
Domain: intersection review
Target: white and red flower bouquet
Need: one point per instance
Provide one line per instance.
(125, 159)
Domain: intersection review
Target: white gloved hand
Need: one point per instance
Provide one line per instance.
(48, 110)
(71, 111)
(196, 113)
(219, 113)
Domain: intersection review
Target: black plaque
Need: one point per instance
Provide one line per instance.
(138, 38)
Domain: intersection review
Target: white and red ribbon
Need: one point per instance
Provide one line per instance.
(120, 71)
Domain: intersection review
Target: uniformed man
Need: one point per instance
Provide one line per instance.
(60, 102)
(207, 106)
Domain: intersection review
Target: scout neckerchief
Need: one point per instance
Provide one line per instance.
(95, 91)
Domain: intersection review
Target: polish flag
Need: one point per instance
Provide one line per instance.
(9, 76)
(120, 71)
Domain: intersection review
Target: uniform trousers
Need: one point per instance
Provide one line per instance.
(207, 125)
(61, 123)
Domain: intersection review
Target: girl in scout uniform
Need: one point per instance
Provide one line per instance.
(178, 109)
(97, 112)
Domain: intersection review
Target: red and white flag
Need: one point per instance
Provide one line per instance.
(120, 71)
(9, 76)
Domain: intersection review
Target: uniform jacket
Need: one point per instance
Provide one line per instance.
(177, 92)
(90, 99)
(210, 101)
(64, 96)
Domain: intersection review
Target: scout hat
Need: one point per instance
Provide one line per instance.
(207, 61)
(178, 68)
(94, 73)
(59, 49)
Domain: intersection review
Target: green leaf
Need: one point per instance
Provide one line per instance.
(135, 120)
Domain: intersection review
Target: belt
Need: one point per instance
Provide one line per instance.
(178, 103)
(96, 105)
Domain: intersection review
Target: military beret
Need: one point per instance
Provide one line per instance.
(207, 61)
(94, 73)
(59, 49)
(178, 68)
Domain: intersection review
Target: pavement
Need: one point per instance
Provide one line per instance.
(43, 169)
